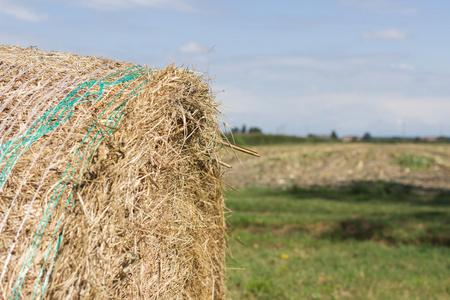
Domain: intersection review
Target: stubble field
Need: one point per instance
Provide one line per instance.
(424, 165)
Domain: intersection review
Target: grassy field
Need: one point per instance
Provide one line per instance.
(360, 242)
(356, 239)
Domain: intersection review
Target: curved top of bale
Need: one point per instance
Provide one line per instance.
(110, 180)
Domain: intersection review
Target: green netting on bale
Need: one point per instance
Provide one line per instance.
(11, 150)
(110, 180)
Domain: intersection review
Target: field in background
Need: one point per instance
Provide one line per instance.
(340, 221)
(273, 139)
(335, 164)
(260, 139)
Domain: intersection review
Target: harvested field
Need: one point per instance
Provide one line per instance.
(422, 165)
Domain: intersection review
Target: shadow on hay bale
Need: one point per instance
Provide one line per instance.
(110, 180)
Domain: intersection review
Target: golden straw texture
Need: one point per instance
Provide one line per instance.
(111, 185)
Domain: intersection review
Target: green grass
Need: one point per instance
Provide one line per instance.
(364, 241)
(414, 162)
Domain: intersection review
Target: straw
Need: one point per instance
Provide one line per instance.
(111, 180)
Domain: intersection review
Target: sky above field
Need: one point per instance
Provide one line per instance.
(291, 67)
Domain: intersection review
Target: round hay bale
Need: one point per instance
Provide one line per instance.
(110, 180)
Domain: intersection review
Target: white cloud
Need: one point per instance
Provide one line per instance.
(402, 66)
(427, 109)
(311, 69)
(349, 94)
(192, 48)
(389, 34)
(177, 5)
(20, 12)
(346, 112)
(381, 6)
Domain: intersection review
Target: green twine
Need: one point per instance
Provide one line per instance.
(13, 149)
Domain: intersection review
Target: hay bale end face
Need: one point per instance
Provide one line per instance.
(110, 180)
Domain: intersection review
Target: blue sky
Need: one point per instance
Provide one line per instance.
(293, 67)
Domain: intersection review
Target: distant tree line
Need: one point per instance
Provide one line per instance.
(251, 130)
(333, 137)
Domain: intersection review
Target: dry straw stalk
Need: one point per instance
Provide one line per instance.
(110, 180)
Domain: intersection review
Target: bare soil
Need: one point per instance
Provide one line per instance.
(340, 164)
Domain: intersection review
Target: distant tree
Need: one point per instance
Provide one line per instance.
(254, 130)
(235, 130)
(244, 129)
(366, 137)
(443, 139)
(333, 135)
